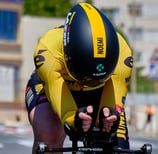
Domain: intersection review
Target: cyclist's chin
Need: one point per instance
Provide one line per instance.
(91, 83)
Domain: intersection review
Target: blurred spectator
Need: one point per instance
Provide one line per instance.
(149, 111)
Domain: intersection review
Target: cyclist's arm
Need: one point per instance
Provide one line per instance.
(49, 69)
(122, 74)
(116, 88)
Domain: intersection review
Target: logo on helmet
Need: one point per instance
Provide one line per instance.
(100, 67)
(100, 52)
(67, 27)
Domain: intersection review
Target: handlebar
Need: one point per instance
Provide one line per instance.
(95, 137)
(145, 149)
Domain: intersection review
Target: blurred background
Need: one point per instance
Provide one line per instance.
(22, 22)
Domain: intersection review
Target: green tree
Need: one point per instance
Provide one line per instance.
(144, 84)
(50, 8)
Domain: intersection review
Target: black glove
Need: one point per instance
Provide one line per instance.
(112, 112)
(78, 121)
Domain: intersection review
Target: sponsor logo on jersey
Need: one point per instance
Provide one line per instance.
(121, 131)
(39, 59)
(29, 96)
(38, 88)
(129, 61)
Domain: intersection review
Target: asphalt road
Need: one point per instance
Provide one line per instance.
(22, 143)
(15, 144)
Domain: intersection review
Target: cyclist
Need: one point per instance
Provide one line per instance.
(81, 78)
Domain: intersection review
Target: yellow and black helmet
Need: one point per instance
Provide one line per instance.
(91, 47)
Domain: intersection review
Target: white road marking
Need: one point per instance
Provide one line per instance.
(27, 143)
(1, 145)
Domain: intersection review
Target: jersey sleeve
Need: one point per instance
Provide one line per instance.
(49, 65)
(116, 88)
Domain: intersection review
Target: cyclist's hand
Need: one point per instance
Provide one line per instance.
(109, 119)
(83, 119)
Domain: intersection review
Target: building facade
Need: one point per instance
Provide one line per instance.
(10, 49)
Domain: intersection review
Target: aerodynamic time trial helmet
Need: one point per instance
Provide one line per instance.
(91, 47)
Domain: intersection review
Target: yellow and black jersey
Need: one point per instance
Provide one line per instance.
(49, 62)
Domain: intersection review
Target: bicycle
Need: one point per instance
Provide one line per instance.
(93, 142)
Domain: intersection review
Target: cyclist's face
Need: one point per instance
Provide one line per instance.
(90, 83)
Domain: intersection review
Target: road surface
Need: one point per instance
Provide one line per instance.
(20, 141)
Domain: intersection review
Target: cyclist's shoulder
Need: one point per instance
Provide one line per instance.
(54, 32)
(52, 41)
(121, 37)
(123, 41)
